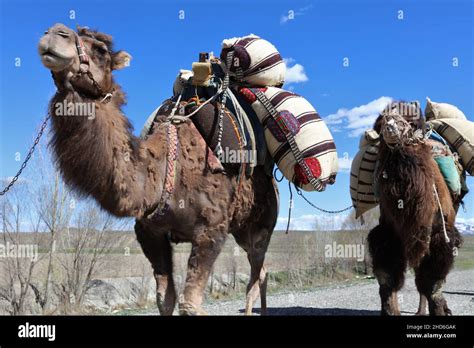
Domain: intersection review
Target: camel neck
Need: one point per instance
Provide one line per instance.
(97, 153)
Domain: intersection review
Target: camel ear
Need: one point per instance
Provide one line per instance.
(121, 60)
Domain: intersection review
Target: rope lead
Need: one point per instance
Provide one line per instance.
(289, 208)
(442, 214)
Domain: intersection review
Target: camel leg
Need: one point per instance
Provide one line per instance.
(389, 266)
(257, 285)
(157, 248)
(263, 291)
(431, 274)
(255, 243)
(205, 250)
(395, 305)
(422, 305)
(258, 274)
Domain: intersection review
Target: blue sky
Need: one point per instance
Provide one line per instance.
(408, 58)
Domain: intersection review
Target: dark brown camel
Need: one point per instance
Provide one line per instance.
(100, 157)
(410, 229)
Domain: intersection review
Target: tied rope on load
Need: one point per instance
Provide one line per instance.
(225, 84)
(221, 91)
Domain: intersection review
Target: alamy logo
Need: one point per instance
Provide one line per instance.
(11, 250)
(37, 331)
(238, 156)
(75, 109)
(347, 251)
(411, 109)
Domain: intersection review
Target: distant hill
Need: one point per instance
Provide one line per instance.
(464, 228)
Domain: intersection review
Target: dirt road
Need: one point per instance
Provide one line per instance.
(352, 299)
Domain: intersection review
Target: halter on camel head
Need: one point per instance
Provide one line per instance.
(81, 52)
(84, 61)
(84, 64)
(402, 124)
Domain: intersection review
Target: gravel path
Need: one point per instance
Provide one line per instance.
(351, 299)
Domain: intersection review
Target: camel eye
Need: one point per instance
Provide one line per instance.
(63, 34)
(101, 49)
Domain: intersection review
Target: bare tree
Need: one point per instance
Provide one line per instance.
(45, 199)
(362, 228)
(17, 269)
(55, 209)
(45, 204)
(83, 248)
(368, 221)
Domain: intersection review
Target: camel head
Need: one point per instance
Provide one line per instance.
(77, 59)
(401, 123)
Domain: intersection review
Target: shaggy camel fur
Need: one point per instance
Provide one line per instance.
(410, 229)
(100, 157)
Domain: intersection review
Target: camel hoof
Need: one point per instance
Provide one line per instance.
(447, 311)
(163, 308)
(188, 309)
(385, 313)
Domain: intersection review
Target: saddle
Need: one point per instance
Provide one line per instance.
(239, 135)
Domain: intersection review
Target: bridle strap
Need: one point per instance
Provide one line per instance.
(81, 51)
(84, 61)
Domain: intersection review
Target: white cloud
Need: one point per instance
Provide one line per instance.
(304, 222)
(8, 179)
(292, 14)
(359, 118)
(468, 221)
(345, 164)
(284, 19)
(312, 222)
(295, 73)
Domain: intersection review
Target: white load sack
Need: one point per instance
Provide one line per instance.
(362, 174)
(436, 111)
(311, 136)
(255, 61)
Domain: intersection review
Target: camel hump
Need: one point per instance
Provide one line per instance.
(149, 123)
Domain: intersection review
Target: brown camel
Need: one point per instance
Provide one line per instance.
(100, 157)
(410, 229)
